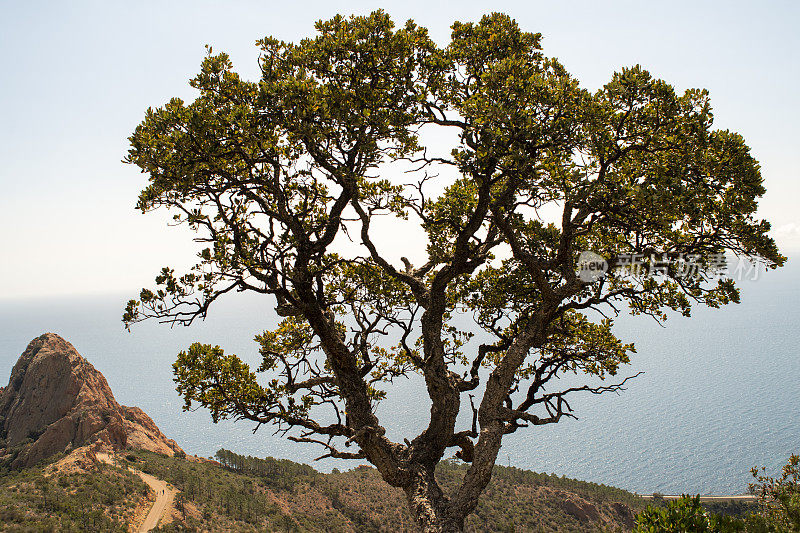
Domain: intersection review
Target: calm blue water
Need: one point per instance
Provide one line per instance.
(721, 392)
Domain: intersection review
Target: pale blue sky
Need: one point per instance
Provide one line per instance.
(77, 77)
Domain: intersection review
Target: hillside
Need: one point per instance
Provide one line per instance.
(281, 495)
(48, 498)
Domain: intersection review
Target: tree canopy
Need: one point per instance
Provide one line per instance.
(275, 174)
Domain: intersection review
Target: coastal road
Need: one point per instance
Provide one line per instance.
(164, 496)
(732, 497)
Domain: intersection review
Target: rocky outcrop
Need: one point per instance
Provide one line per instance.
(55, 401)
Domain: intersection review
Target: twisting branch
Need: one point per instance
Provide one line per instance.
(555, 404)
(332, 452)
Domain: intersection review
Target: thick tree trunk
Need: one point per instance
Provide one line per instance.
(430, 506)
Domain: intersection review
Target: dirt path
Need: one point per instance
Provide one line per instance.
(164, 496)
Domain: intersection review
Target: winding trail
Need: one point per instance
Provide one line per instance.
(164, 495)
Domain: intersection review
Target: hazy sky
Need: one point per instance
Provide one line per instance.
(78, 76)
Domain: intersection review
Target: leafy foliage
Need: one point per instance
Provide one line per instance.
(779, 498)
(685, 514)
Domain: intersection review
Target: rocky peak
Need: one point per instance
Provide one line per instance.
(56, 400)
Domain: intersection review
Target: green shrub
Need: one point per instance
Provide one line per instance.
(685, 515)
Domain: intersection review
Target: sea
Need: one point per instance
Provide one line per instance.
(719, 393)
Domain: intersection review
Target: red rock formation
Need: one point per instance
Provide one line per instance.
(56, 401)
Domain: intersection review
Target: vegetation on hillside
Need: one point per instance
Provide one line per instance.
(243, 493)
(102, 499)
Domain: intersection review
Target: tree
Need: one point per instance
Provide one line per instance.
(779, 498)
(274, 175)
